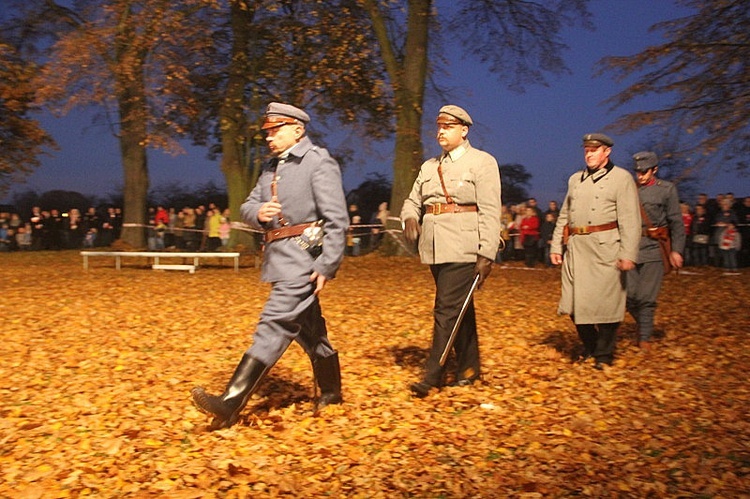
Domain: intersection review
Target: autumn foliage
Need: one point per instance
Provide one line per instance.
(97, 369)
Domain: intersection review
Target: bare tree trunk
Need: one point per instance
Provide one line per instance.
(133, 139)
(408, 76)
(236, 146)
(410, 101)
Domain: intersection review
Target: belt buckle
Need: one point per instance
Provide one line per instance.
(581, 231)
(437, 208)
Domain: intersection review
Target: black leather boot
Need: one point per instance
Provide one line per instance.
(227, 407)
(328, 376)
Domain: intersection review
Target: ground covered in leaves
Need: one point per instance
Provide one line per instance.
(97, 368)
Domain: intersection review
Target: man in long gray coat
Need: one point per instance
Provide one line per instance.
(602, 217)
(459, 194)
(298, 198)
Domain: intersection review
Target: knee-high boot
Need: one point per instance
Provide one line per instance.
(328, 376)
(227, 407)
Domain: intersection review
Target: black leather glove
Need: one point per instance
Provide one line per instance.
(482, 268)
(412, 230)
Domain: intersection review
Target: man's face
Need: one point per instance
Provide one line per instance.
(596, 156)
(450, 132)
(645, 177)
(283, 137)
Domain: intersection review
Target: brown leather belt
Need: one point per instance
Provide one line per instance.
(440, 208)
(588, 229)
(285, 232)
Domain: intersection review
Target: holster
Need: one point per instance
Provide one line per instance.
(661, 235)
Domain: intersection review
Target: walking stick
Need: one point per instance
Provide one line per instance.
(461, 314)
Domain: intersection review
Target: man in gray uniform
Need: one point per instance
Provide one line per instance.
(456, 196)
(601, 217)
(661, 205)
(299, 188)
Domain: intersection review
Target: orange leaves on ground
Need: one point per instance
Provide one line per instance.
(98, 367)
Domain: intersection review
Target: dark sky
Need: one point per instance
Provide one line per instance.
(540, 129)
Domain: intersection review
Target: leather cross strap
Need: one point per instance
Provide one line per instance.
(275, 190)
(588, 229)
(440, 208)
(442, 182)
(285, 232)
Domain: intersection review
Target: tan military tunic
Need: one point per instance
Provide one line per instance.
(593, 289)
(471, 177)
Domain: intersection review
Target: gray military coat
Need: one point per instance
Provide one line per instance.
(662, 205)
(593, 289)
(309, 189)
(474, 178)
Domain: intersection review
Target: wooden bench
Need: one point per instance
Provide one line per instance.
(158, 255)
(173, 266)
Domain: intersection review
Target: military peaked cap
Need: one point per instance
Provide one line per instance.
(278, 114)
(597, 139)
(645, 160)
(458, 113)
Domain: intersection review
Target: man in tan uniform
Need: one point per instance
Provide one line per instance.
(601, 214)
(459, 194)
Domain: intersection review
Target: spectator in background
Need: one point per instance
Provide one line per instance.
(728, 244)
(743, 217)
(506, 223)
(553, 208)
(179, 234)
(169, 239)
(155, 231)
(161, 216)
(687, 223)
(200, 224)
(545, 236)
(15, 222)
(92, 223)
(117, 221)
(530, 236)
(54, 230)
(190, 235)
(74, 230)
(213, 222)
(531, 203)
(37, 228)
(519, 211)
(5, 237)
(107, 228)
(23, 237)
(225, 230)
(700, 230)
(380, 217)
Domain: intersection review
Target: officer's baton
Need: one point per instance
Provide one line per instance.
(461, 314)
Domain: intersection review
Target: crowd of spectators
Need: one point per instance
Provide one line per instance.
(718, 230)
(189, 229)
